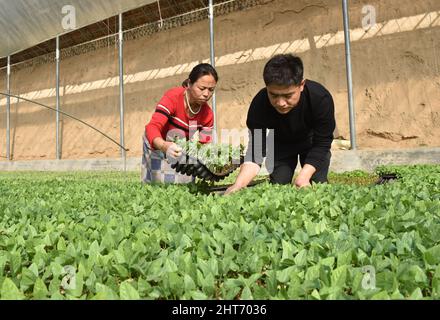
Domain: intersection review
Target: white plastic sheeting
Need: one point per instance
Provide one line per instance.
(26, 23)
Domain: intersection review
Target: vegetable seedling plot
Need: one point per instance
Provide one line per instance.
(106, 236)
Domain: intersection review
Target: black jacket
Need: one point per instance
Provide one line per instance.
(307, 127)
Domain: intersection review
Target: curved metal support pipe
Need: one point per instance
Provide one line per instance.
(66, 114)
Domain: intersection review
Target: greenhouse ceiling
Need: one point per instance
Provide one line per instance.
(26, 23)
(25, 35)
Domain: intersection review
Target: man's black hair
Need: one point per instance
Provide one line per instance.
(283, 70)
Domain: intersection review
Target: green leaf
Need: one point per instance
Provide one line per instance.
(119, 255)
(54, 287)
(40, 290)
(416, 295)
(412, 274)
(419, 274)
(383, 295)
(288, 250)
(301, 258)
(246, 294)
(437, 273)
(56, 269)
(260, 293)
(16, 262)
(233, 283)
(295, 291)
(61, 245)
(339, 276)
(3, 261)
(329, 261)
(10, 291)
(27, 279)
(71, 250)
(198, 295)
(91, 281)
(432, 255)
(251, 281)
(57, 296)
(311, 228)
(315, 294)
(170, 266)
(335, 294)
(301, 237)
(73, 282)
(313, 273)
(213, 266)
(175, 283)
(216, 210)
(369, 206)
(127, 292)
(208, 285)
(144, 288)
(283, 276)
(358, 278)
(189, 283)
(122, 271)
(33, 267)
(386, 280)
(344, 258)
(436, 288)
(104, 292)
(397, 295)
(94, 249)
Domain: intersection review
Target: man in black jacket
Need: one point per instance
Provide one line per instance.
(299, 114)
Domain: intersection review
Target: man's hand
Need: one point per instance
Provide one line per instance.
(232, 189)
(248, 171)
(306, 173)
(302, 182)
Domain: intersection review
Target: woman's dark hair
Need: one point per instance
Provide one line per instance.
(200, 70)
(185, 83)
(283, 70)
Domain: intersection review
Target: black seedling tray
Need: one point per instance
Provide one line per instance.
(194, 167)
(387, 177)
(221, 189)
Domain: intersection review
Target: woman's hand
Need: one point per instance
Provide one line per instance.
(172, 150)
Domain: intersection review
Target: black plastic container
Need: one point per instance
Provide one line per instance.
(387, 177)
(194, 167)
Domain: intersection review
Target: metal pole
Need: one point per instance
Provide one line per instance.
(349, 76)
(8, 110)
(121, 87)
(212, 49)
(58, 99)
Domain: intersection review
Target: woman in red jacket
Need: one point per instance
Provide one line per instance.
(182, 111)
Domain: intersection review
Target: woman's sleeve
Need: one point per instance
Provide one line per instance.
(164, 109)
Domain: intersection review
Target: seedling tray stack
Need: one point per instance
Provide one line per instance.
(191, 166)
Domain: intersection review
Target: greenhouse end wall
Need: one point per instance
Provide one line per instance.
(396, 76)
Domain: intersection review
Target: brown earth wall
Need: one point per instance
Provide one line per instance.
(396, 76)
